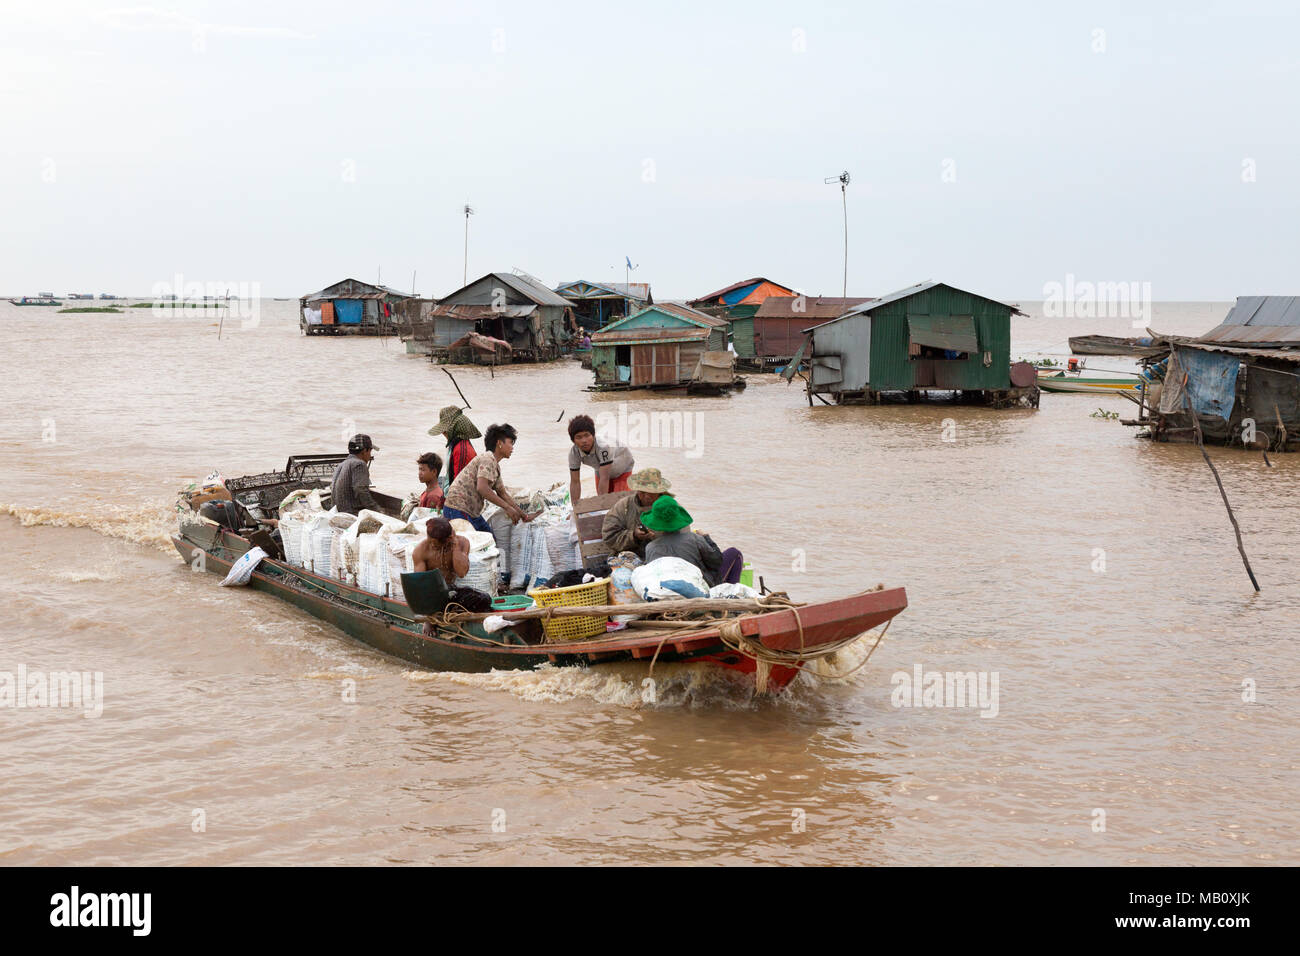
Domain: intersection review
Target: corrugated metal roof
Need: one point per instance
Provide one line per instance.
(1286, 355)
(815, 307)
(1265, 335)
(903, 294)
(475, 312)
(376, 291)
(625, 290)
(532, 289)
(649, 336)
(323, 296)
(1259, 320)
(686, 312)
(1268, 311)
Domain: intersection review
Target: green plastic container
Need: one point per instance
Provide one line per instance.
(747, 575)
(512, 602)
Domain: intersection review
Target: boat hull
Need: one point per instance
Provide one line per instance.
(1112, 345)
(389, 626)
(1103, 386)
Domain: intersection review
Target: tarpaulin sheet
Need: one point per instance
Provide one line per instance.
(348, 311)
(736, 295)
(953, 332)
(1211, 382)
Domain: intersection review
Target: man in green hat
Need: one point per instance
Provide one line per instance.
(622, 529)
(456, 426)
(676, 540)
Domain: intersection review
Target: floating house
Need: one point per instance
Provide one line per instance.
(738, 302)
(351, 307)
(666, 345)
(929, 337)
(1241, 379)
(771, 337)
(596, 304)
(510, 307)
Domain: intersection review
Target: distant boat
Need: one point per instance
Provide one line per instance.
(1114, 345)
(81, 295)
(1060, 381)
(43, 299)
(105, 295)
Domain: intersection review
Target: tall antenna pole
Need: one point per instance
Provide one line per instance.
(464, 280)
(843, 180)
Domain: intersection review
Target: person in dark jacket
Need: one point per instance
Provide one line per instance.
(676, 540)
(351, 487)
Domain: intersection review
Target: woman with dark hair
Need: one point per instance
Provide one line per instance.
(613, 463)
(446, 551)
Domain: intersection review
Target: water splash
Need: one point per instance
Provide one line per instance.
(148, 524)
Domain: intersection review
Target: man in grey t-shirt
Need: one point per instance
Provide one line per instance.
(613, 463)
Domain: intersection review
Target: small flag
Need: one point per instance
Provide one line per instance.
(629, 261)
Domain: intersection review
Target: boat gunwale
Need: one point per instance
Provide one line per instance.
(888, 602)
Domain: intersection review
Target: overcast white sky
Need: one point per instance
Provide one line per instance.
(994, 146)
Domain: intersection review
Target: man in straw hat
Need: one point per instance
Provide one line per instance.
(458, 429)
(622, 529)
(675, 540)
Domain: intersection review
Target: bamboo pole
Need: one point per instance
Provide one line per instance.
(638, 609)
(1187, 402)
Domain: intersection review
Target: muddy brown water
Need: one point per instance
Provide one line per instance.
(1093, 574)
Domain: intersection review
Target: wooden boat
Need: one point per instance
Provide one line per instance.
(1115, 345)
(35, 300)
(389, 625)
(1050, 380)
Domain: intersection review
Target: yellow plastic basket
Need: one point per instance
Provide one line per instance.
(577, 627)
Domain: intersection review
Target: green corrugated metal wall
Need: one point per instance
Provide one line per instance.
(741, 311)
(718, 340)
(602, 363)
(742, 337)
(891, 368)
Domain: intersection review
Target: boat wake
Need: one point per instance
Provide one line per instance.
(673, 685)
(621, 685)
(150, 524)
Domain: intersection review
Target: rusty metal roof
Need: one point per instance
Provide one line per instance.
(325, 297)
(1259, 320)
(649, 336)
(814, 306)
(1286, 355)
(473, 313)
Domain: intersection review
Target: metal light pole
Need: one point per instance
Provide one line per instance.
(843, 180)
(469, 211)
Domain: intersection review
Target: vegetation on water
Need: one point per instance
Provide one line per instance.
(92, 308)
(1102, 413)
(1041, 362)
